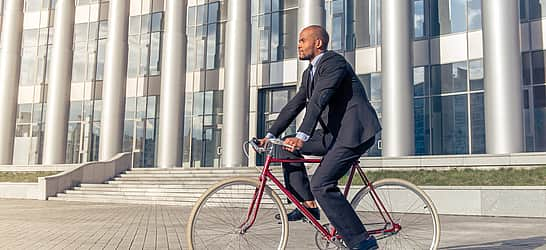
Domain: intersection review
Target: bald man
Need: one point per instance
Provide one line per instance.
(340, 124)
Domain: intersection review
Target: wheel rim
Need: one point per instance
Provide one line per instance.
(415, 219)
(216, 223)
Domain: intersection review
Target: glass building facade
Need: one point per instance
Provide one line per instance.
(448, 74)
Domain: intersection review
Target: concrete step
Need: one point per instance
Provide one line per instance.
(159, 186)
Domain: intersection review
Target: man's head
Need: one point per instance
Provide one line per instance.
(313, 41)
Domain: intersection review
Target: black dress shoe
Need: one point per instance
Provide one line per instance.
(296, 215)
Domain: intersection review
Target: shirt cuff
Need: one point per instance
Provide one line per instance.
(302, 136)
(270, 136)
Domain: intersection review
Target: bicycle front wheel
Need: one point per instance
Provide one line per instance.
(219, 215)
(408, 206)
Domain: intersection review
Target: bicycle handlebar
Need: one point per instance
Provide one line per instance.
(255, 143)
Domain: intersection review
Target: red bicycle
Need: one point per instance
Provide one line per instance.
(239, 213)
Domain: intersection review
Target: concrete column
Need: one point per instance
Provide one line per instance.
(397, 74)
(173, 85)
(236, 87)
(10, 64)
(60, 77)
(502, 77)
(115, 80)
(310, 12)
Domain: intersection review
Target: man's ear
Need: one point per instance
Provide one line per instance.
(318, 44)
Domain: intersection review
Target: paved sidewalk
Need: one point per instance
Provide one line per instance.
(29, 224)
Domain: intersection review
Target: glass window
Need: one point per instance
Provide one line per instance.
(539, 98)
(523, 10)
(30, 37)
(191, 15)
(211, 46)
(200, 47)
(28, 66)
(275, 37)
(134, 25)
(37, 112)
(33, 5)
(478, 123)
(78, 62)
(449, 124)
(337, 32)
(536, 9)
(201, 14)
(278, 100)
(130, 108)
(145, 23)
(474, 14)
(103, 29)
(141, 107)
(447, 16)
(97, 110)
(420, 81)
(128, 132)
(149, 144)
(155, 54)
(476, 74)
(73, 142)
(151, 107)
(101, 52)
(80, 32)
(208, 103)
(157, 19)
(264, 27)
(24, 112)
(449, 78)
(43, 33)
(213, 12)
(290, 34)
(538, 67)
(133, 57)
(22, 130)
(526, 67)
(91, 60)
(93, 31)
(421, 111)
(419, 18)
(144, 55)
(75, 111)
(198, 102)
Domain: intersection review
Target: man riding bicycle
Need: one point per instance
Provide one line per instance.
(339, 124)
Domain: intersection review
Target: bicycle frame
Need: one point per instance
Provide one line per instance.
(330, 235)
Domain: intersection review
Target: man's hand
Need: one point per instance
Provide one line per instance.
(296, 144)
(263, 141)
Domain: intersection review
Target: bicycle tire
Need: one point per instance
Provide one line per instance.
(215, 220)
(419, 221)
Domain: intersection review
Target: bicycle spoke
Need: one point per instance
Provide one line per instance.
(216, 224)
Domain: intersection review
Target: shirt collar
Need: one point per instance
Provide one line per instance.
(316, 60)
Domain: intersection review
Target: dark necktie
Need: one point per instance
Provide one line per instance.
(310, 84)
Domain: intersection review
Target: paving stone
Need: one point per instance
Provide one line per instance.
(31, 224)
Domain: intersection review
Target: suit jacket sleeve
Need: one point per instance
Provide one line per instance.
(289, 112)
(328, 79)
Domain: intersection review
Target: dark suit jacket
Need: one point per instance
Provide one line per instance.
(336, 99)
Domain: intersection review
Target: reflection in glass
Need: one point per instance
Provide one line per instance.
(449, 124)
(478, 123)
(421, 110)
(539, 98)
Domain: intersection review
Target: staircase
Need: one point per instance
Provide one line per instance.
(174, 186)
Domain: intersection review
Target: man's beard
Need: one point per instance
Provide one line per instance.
(305, 57)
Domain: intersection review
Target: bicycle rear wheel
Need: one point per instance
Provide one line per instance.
(408, 206)
(216, 219)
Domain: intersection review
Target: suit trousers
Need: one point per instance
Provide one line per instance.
(336, 162)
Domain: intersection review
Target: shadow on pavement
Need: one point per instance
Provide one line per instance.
(520, 244)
